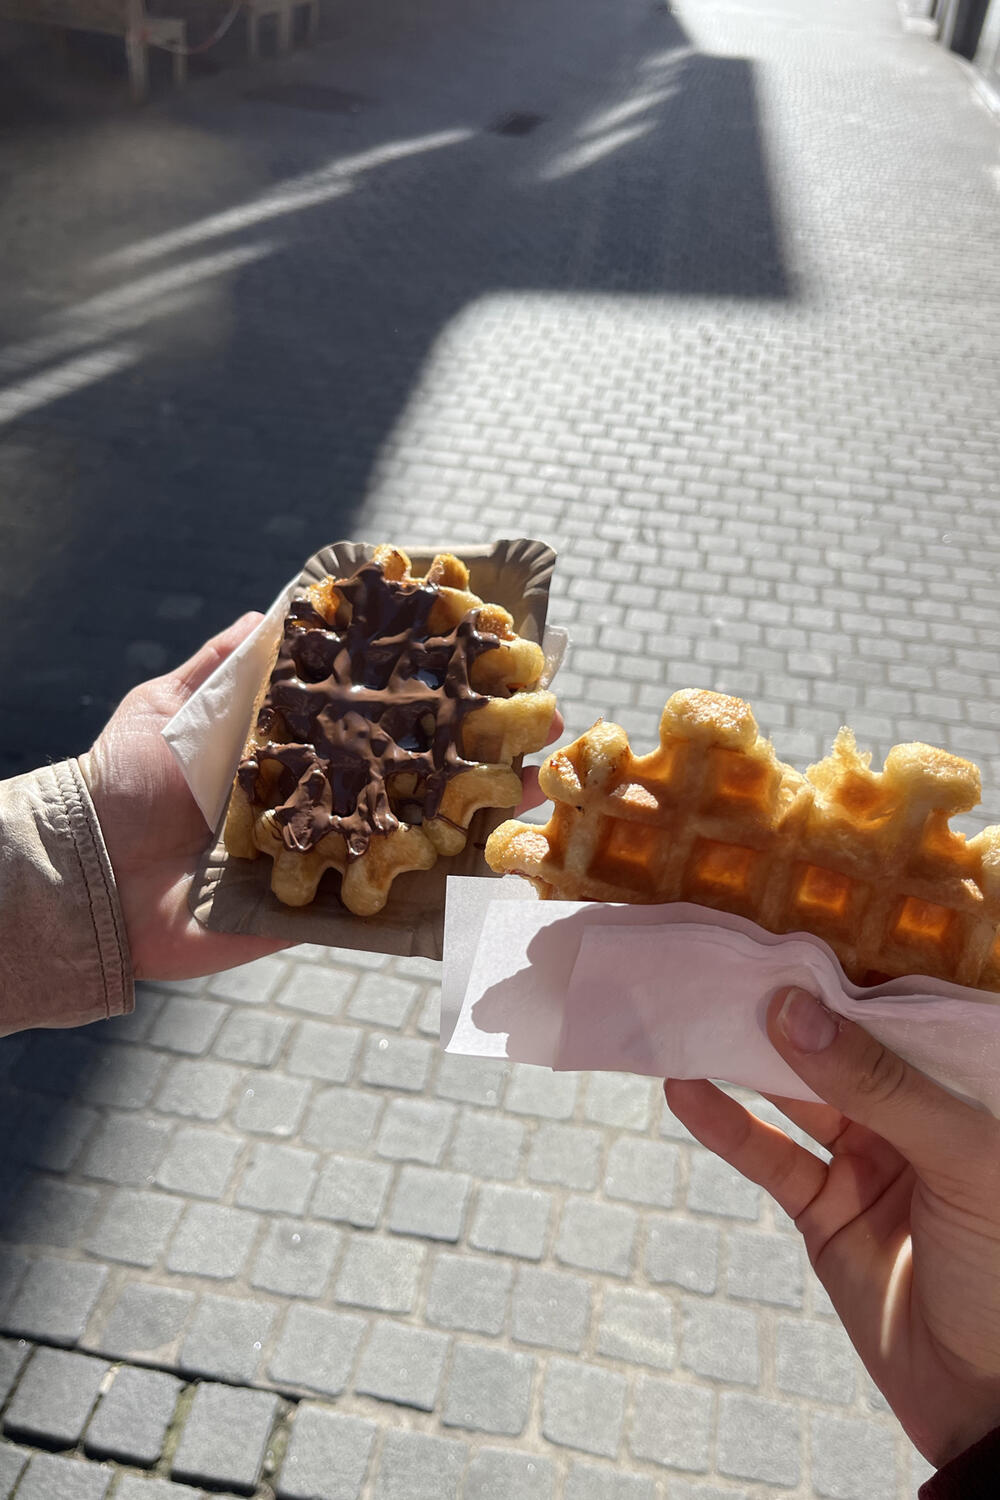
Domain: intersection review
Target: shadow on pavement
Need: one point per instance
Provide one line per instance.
(224, 301)
(220, 306)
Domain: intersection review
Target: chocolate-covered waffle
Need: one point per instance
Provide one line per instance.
(393, 712)
(864, 859)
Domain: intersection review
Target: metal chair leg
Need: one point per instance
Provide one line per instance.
(180, 60)
(137, 54)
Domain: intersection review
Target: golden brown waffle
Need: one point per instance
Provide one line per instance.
(864, 859)
(391, 714)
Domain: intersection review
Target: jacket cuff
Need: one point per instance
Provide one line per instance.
(66, 954)
(973, 1475)
(113, 954)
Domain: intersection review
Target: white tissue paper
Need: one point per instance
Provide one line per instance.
(678, 991)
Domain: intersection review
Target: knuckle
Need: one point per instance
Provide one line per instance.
(884, 1077)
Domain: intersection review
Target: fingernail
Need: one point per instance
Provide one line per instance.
(807, 1024)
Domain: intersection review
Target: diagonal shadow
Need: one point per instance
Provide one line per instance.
(235, 311)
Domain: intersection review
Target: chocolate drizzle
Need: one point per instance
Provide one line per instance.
(364, 700)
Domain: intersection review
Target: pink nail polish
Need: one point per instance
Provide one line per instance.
(807, 1024)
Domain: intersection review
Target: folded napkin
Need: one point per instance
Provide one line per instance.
(678, 991)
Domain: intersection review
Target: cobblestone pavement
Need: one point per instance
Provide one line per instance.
(713, 307)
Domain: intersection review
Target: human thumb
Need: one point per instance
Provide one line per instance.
(199, 667)
(864, 1080)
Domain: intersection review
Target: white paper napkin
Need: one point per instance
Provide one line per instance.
(677, 991)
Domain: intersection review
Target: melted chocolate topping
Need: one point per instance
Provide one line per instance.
(364, 699)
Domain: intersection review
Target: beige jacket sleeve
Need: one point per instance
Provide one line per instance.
(65, 953)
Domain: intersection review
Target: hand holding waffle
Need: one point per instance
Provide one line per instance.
(902, 1226)
(153, 829)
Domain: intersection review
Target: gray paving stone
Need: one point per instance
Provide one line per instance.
(212, 1240)
(469, 1293)
(815, 1361)
(198, 1090)
(671, 1424)
(145, 1323)
(352, 1191)
(123, 1076)
(583, 1407)
(251, 1037)
(316, 1349)
(131, 1487)
(416, 1130)
(500, 1474)
(383, 1000)
(50, 1213)
(720, 1341)
(136, 1026)
(597, 1236)
(50, 1478)
(681, 1490)
(766, 1268)
(471, 1080)
(253, 983)
(54, 1300)
(429, 1019)
(511, 1221)
(672, 1128)
(759, 1439)
(320, 991)
(551, 1309)
(682, 1253)
(51, 1134)
(642, 1171)
(199, 1163)
(13, 1353)
(125, 1150)
(429, 1203)
(397, 1062)
(619, 1099)
(487, 1145)
(851, 1456)
(277, 1179)
(538, 1091)
(568, 1155)
(320, 1050)
(380, 1273)
(270, 1104)
(589, 1482)
(13, 1269)
(636, 1326)
(54, 1398)
(416, 1466)
(225, 1437)
(12, 1462)
(225, 1338)
(187, 1024)
(131, 1422)
(717, 1188)
(342, 1120)
(489, 1390)
(296, 1259)
(402, 1365)
(872, 1398)
(135, 1227)
(327, 1456)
